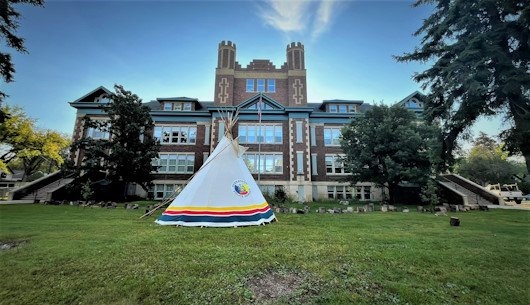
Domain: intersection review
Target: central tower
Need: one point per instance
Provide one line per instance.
(235, 84)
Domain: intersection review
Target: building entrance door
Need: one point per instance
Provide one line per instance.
(301, 193)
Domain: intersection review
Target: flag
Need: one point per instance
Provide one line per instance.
(259, 108)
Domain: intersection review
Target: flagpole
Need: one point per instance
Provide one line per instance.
(259, 142)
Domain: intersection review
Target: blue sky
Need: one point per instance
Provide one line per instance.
(169, 48)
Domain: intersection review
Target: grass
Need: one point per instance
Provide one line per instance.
(76, 255)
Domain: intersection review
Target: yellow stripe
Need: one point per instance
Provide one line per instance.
(223, 209)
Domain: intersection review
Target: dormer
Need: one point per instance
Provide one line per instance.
(341, 106)
(178, 104)
(260, 99)
(414, 102)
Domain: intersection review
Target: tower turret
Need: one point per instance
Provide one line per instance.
(295, 56)
(227, 55)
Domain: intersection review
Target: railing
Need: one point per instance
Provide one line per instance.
(479, 191)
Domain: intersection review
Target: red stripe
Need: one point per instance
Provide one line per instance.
(265, 209)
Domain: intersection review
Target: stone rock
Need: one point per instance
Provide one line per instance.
(405, 210)
(369, 208)
(322, 210)
(360, 210)
(483, 208)
(349, 210)
(293, 210)
(331, 211)
(454, 221)
(277, 210)
(391, 208)
(419, 208)
(337, 210)
(344, 202)
(453, 208)
(440, 208)
(306, 209)
(446, 205)
(384, 208)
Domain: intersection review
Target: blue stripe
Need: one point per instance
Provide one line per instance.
(239, 218)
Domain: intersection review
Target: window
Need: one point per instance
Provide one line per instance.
(97, 133)
(168, 106)
(332, 136)
(313, 136)
(186, 107)
(175, 163)
(163, 191)
(270, 189)
(264, 106)
(261, 85)
(351, 108)
(343, 108)
(363, 192)
(334, 165)
(265, 163)
(271, 85)
(177, 106)
(299, 131)
(250, 85)
(266, 133)
(207, 134)
(176, 134)
(332, 108)
(299, 162)
(340, 192)
(205, 156)
(314, 171)
(221, 129)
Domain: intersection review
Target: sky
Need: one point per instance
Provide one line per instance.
(169, 48)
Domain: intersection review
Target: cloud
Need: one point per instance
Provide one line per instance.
(286, 16)
(323, 18)
(299, 16)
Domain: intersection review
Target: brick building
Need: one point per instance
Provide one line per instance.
(299, 140)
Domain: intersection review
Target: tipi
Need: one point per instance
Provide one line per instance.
(222, 193)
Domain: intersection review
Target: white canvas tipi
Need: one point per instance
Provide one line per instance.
(222, 193)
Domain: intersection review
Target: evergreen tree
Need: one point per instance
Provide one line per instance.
(127, 156)
(481, 55)
(8, 26)
(388, 146)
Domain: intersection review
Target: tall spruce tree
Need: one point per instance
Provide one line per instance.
(126, 157)
(481, 55)
(388, 146)
(8, 27)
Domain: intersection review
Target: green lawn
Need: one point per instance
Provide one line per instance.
(77, 255)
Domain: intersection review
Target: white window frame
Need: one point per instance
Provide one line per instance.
(271, 85)
(262, 133)
(352, 109)
(186, 106)
(160, 130)
(335, 168)
(313, 136)
(299, 162)
(206, 134)
(271, 160)
(299, 132)
(260, 83)
(250, 84)
(331, 131)
(164, 163)
(333, 108)
(314, 166)
(168, 106)
(343, 107)
(165, 188)
(96, 133)
(345, 192)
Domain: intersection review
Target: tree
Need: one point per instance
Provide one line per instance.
(16, 134)
(127, 156)
(26, 147)
(481, 57)
(487, 163)
(8, 26)
(388, 146)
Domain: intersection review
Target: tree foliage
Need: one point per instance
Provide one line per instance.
(8, 26)
(388, 145)
(481, 55)
(27, 147)
(487, 163)
(127, 156)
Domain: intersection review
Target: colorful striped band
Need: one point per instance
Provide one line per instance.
(211, 213)
(216, 219)
(217, 209)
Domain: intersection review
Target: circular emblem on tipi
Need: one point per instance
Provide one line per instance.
(241, 188)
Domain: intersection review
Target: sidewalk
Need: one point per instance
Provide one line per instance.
(16, 202)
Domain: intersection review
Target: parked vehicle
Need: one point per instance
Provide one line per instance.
(508, 192)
